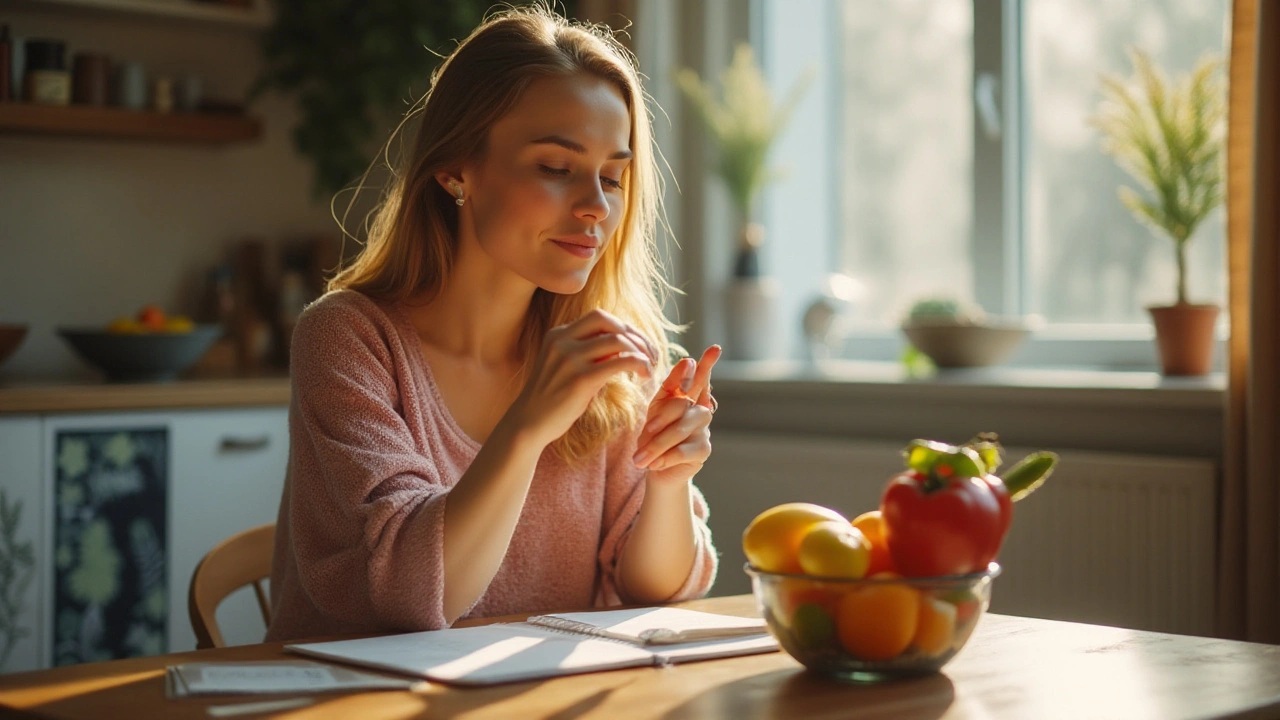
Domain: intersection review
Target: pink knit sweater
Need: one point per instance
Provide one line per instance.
(373, 453)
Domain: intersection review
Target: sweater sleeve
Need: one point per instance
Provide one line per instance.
(624, 493)
(366, 505)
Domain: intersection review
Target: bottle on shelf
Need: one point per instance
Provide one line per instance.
(6, 64)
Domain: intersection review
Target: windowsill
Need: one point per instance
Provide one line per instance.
(1094, 387)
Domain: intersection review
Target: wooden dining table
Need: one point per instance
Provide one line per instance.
(1013, 667)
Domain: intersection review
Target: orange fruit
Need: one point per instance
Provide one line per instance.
(935, 627)
(836, 549)
(871, 524)
(772, 541)
(152, 318)
(879, 621)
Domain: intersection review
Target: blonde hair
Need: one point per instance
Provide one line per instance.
(412, 238)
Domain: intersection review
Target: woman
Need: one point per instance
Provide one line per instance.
(484, 420)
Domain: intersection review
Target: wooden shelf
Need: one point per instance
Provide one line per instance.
(116, 123)
(257, 15)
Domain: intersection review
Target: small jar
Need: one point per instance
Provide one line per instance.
(162, 95)
(47, 81)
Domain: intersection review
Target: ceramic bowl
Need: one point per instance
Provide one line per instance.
(10, 340)
(872, 629)
(141, 357)
(955, 345)
(11, 337)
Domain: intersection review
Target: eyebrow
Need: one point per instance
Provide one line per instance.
(572, 146)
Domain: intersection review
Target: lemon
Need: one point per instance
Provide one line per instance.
(178, 324)
(772, 541)
(835, 549)
(125, 326)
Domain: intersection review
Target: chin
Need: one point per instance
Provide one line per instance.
(564, 285)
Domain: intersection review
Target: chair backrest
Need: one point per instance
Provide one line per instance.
(240, 560)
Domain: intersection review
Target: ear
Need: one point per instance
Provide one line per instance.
(448, 181)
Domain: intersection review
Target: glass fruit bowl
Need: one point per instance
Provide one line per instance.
(872, 629)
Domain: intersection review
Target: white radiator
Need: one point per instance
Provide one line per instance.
(1111, 539)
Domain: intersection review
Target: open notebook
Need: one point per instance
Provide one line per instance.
(553, 645)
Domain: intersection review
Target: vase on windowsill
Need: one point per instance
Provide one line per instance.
(750, 301)
(1184, 337)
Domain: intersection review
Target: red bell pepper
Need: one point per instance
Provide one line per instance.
(940, 525)
(948, 514)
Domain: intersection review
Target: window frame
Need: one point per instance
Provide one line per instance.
(999, 195)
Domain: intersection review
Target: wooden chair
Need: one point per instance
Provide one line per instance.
(242, 559)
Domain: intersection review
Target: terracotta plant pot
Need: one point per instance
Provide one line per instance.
(1184, 335)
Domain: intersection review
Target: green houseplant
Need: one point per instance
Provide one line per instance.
(356, 66)
(1168, 135)
(743, 122)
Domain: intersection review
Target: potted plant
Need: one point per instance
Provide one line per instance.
(1169, 137)
(743, 122)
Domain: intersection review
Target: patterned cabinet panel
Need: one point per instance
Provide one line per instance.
(228, 473)
(22, 546)
(107, 483)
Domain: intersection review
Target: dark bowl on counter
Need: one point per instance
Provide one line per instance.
(11, 337)
(141, 357)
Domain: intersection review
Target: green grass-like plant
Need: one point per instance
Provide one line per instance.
(743, 122)
(1168, 135)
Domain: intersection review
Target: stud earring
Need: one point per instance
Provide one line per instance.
(457, 190)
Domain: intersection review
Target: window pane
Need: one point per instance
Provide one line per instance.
(1087, 259)
(907, 150)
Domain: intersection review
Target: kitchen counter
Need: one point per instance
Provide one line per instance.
(67, 396)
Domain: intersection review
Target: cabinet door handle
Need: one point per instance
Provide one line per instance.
(244, 444)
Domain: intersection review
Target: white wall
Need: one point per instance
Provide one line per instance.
(93, 229)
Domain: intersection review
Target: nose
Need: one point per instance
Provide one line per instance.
(592, 205)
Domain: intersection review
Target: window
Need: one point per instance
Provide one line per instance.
(955, 137)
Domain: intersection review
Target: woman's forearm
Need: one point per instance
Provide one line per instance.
(481, 513)
(659, 553)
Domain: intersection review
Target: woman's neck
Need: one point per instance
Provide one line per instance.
(477, 316)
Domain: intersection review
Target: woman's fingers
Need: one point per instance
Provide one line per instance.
(679, 380)
(700, 390)
(600, 372)
(606, 345)
(692, 421)
(599, 322)
(694, 450)
(661, 414)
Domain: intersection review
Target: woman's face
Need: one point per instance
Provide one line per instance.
(545, 198)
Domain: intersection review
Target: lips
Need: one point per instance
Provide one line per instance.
(583, 246)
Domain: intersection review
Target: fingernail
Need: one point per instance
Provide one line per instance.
(640, 459)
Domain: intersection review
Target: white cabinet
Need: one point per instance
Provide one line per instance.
(22, 620)
(228, 473)
(117, 508)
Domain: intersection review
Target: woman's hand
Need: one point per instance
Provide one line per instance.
(676, 439)
(575, 361)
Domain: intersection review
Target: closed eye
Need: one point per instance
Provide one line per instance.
(557, 172)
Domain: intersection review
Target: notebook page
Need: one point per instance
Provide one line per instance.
(711, 649)
(482, 655)
(216, 678)
(654, 625)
